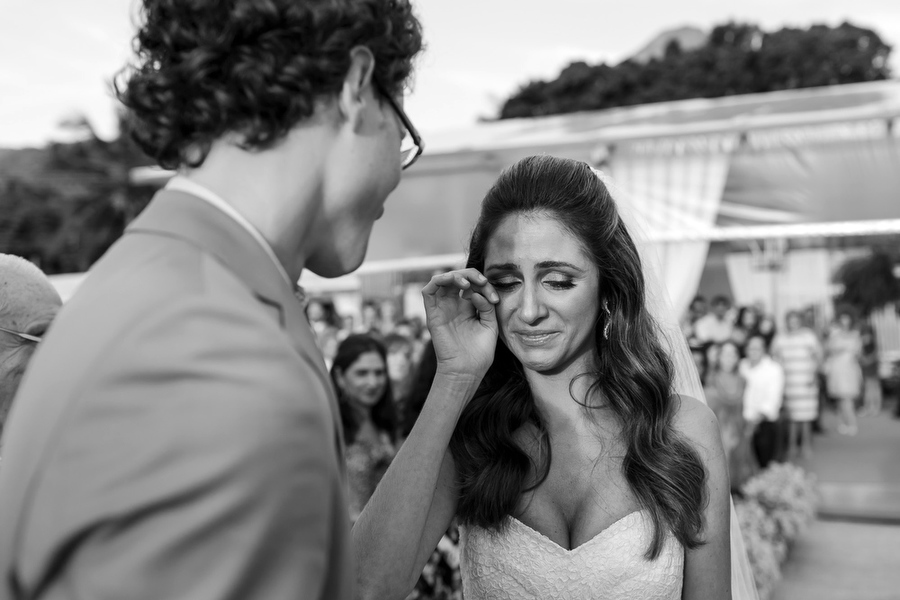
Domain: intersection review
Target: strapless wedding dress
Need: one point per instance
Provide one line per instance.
(523, 564)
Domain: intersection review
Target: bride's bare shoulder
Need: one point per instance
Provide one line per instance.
(697, 422)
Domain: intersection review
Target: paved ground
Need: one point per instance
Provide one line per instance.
(859, 476)
(843, 561)
(852, 552)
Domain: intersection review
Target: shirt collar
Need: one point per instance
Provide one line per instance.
(179, 183)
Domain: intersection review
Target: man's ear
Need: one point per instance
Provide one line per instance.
(358, 85)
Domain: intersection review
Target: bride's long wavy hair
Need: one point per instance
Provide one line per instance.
(633, 376)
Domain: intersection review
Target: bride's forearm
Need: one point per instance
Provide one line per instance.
(415, 501)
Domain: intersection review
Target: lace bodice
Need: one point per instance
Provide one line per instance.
(523, 564)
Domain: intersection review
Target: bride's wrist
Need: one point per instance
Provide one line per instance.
(456, 385)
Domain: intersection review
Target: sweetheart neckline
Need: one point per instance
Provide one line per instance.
(582, 545)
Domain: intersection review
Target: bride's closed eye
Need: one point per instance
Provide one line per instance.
(506, 284)
(560, 284)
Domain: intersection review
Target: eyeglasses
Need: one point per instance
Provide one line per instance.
(411, 146)
(25, 336)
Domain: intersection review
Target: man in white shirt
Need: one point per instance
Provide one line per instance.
(176, 435)
(763, 397)
(716, 326)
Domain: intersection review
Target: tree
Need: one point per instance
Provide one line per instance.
(871, 282)
(73, 201)
(736, 59)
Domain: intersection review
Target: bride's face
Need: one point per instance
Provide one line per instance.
(548, 288)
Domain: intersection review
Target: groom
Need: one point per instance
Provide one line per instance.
(176, 435)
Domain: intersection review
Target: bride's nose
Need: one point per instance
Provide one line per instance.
(532, 307)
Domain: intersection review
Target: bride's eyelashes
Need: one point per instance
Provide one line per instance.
(504, 285)
(508, 285)
(560, 284)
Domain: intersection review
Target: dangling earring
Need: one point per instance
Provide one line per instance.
(608, 320)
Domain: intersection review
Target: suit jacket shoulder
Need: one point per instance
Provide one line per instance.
(176, 433)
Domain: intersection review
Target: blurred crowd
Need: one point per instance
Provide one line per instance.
(772, 386)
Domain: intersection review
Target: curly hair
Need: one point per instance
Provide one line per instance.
(255, 68)
(633, 375)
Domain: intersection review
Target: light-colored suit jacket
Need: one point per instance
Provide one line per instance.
(176, 435)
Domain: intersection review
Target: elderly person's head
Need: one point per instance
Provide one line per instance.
(28, 303)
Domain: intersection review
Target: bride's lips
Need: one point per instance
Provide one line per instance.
(534, 338)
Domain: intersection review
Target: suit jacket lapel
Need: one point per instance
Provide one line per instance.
(199, 223)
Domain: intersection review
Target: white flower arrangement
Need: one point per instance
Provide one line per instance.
(778, 505)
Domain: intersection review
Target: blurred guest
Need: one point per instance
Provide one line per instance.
(767, 329)
(718, 325)
(368, 414)
(725, 388)
(696, 310)
(389, 310)
(869, 361)
(799, 353)
(762, 399)
(411, 329)
(348, 326)
(422, 379)
(399, 365)
(808, 317)
(406, 328)
(843, 374)
(747, 325)
(28, 303)
(370, 318)
(328, 342)
(700, 355)
(322, 315)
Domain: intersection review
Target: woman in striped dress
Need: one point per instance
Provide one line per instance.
(800, 354)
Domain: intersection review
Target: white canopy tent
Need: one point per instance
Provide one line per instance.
(817, 162)
(777, 165)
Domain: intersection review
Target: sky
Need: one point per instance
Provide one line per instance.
(57, 57)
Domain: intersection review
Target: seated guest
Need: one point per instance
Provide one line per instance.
(28, 303)
(763, 396)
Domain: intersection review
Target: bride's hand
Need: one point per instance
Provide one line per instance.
(461, 316)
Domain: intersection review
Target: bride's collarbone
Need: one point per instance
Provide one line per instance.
(584, 493)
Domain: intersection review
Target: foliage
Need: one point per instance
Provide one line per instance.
(736, 59)
(71, 202)
(777, 506)
(763, 547)
(871, 282)
(440, 580)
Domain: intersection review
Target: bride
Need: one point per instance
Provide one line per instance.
(563, 429)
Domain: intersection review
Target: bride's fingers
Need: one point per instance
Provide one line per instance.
(484, 307)
(453, 279)
(465, 279)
